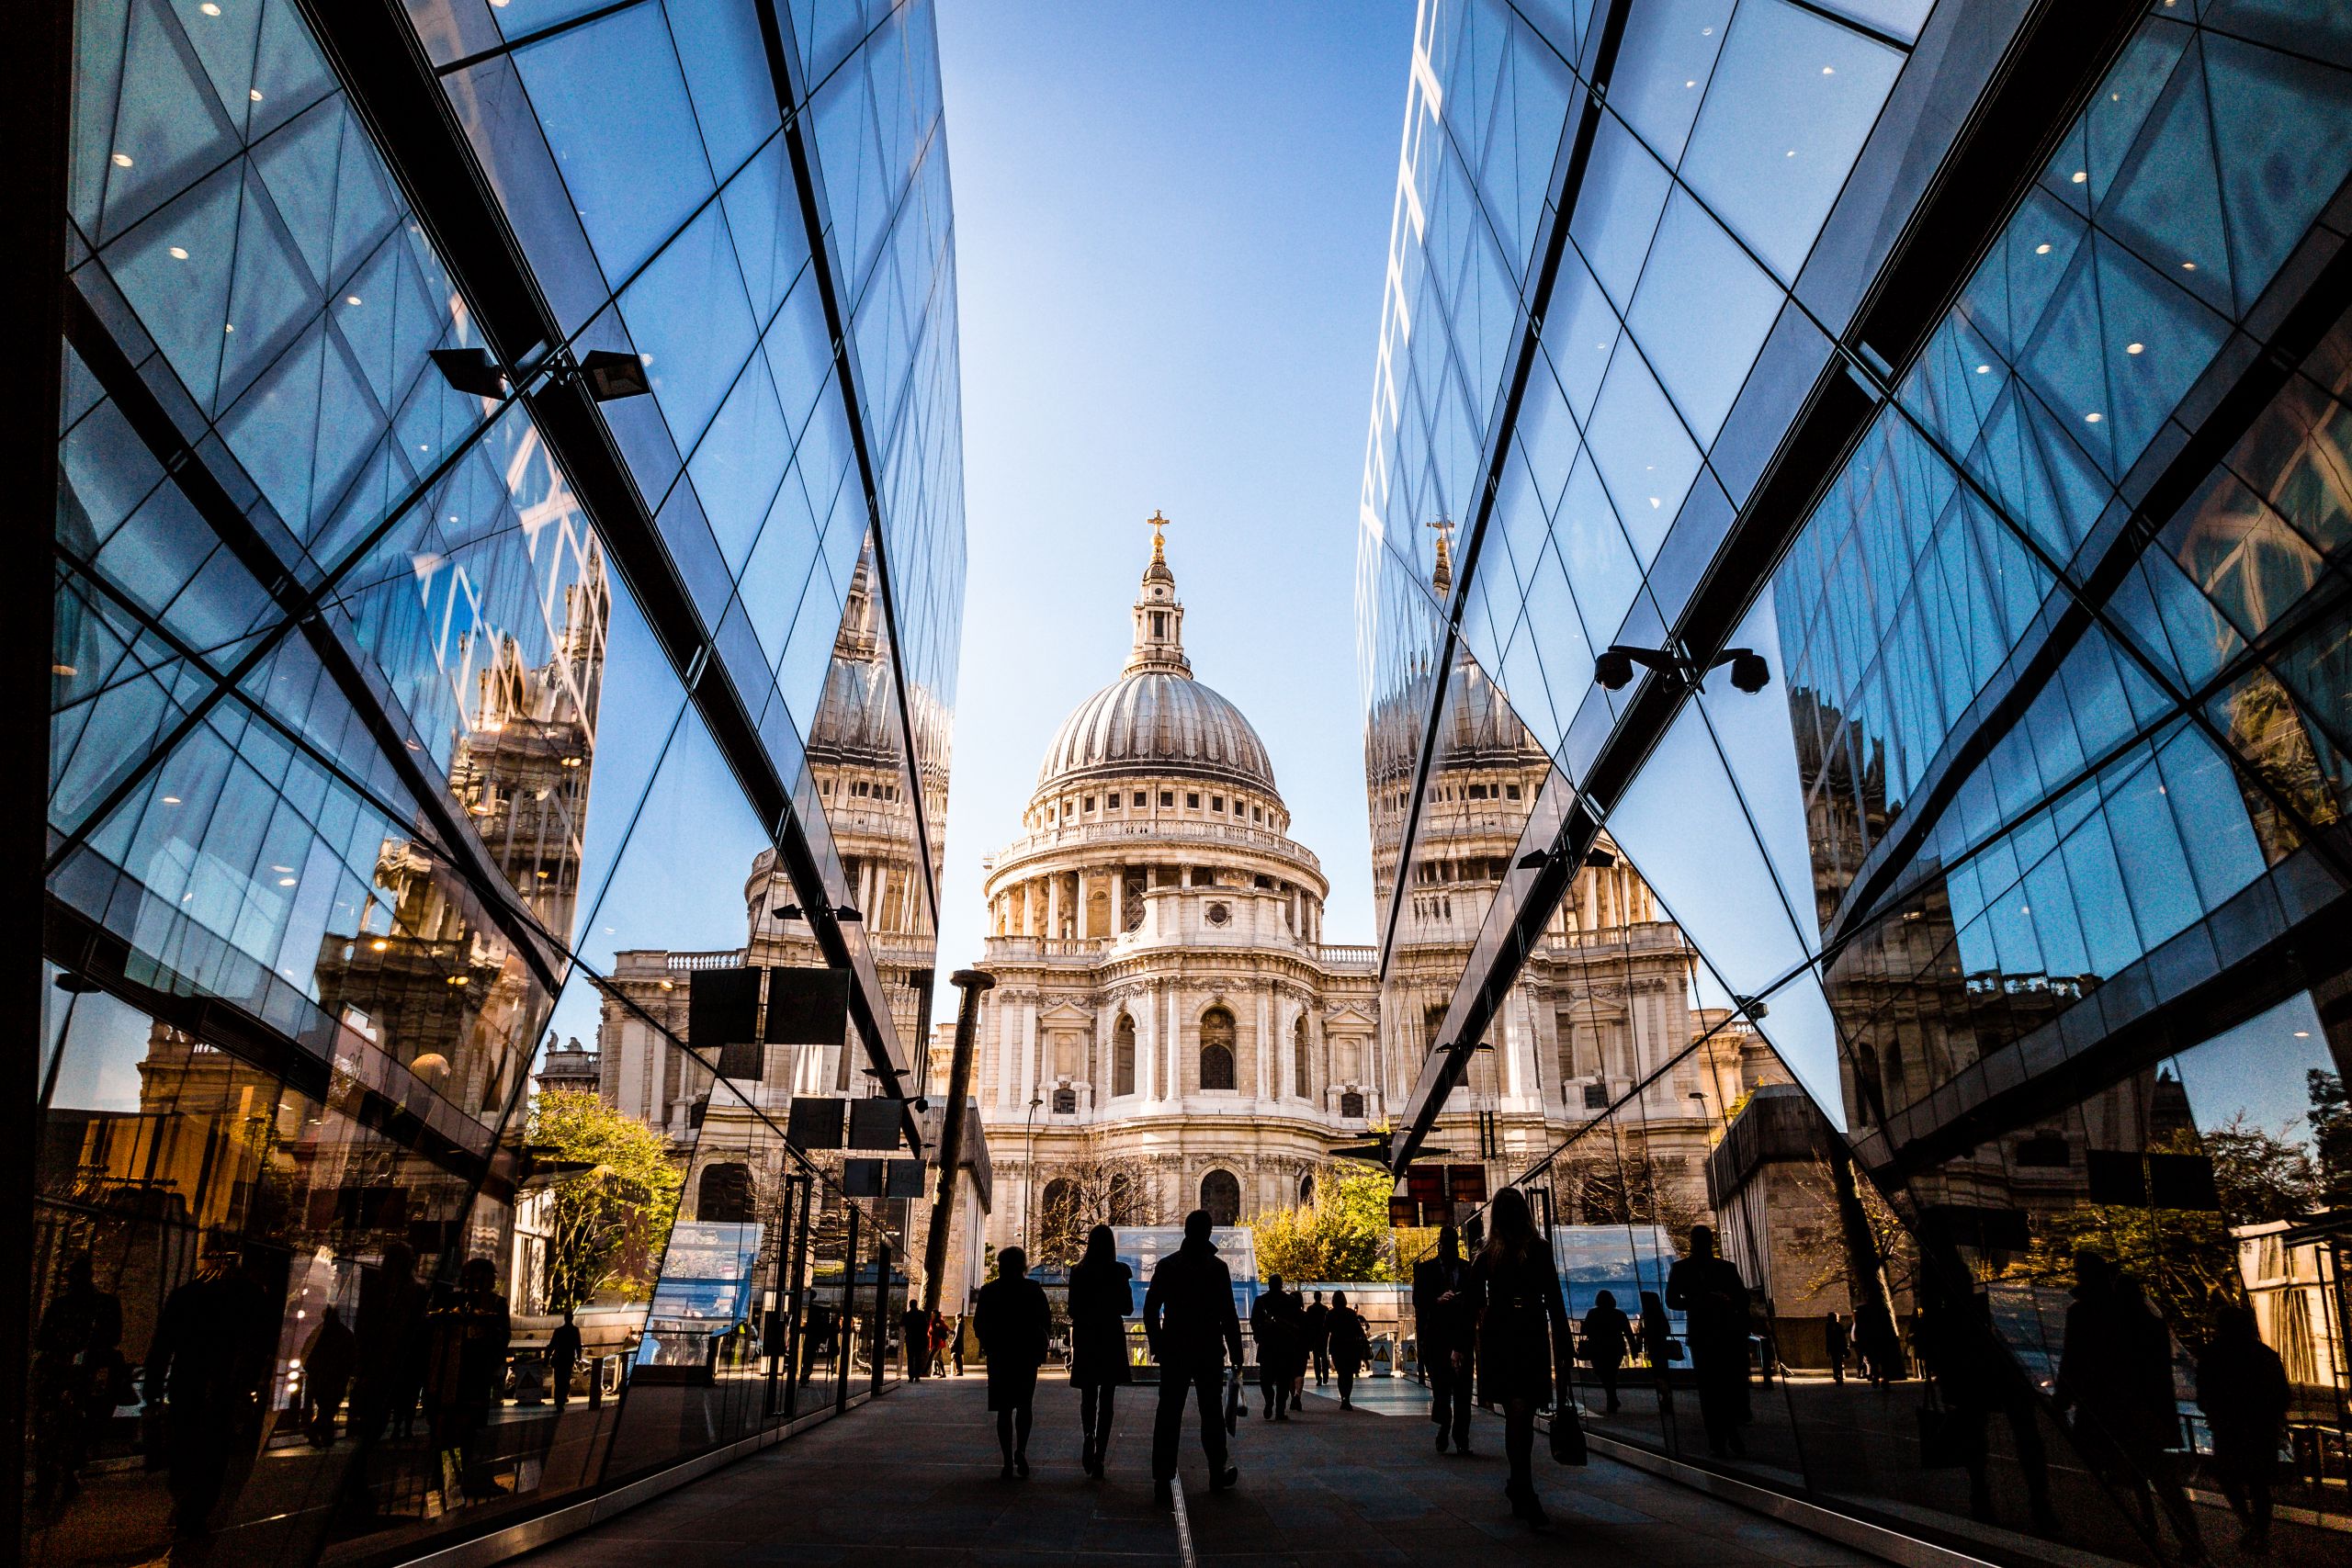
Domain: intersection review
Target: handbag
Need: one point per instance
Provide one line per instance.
(1567, 1435)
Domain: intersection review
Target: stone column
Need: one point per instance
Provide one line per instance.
(1054, 905)
(1266, 1024)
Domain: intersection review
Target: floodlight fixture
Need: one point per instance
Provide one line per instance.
(470, 370)
(609, 374)
(1749, 673)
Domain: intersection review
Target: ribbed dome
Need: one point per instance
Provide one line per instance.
(1153, 721)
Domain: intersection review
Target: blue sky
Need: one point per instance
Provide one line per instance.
(1172, 226)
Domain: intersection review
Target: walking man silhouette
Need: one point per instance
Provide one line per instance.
(1189, 1321)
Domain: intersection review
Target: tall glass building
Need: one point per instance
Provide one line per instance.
(498, 441)
(1981, 369)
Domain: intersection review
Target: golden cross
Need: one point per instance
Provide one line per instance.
(1158, 543)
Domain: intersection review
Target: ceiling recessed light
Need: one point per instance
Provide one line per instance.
(170, 800)
(2302, 1034)
(285, 882)
(2082, 176)
(2188, 267)
(2133, 347)
(254, 92)
(209, 8)
(1983, 370)
(1830, 71)
(228, 326)
(351, 298)
(2091, 419)
(2042, 249)
(1692, 83)
(121, 160)
(179, 252)
(1655, 503)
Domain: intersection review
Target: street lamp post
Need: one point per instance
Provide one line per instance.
(1029, 1171)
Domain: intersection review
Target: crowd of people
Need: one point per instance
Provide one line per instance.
(1494, 1330)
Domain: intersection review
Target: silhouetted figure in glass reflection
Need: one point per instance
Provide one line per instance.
(1839, 1340)
(1445, 1323)
(563, 1357)
(2115, 1375)
(1524, 1341)
(328, 1362)
(464, 1368)
(1351, 1345)
(1013, 1322)
(1713, 1301)
(816, 1334)
(914, 1341)
(1102, 1297)
(391, 1352)
(2242, 1388)
(1318, 1319)
(76, 1352)
(1876, 1338)
(1189, 1321)
(1607, 1334)
(1272, 1330)
(1975, 1377)
(209, 1362)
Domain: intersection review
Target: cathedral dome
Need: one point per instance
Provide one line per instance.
(1157, 721)
(1155, 718)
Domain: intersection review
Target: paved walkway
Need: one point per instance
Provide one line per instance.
(913, 1479)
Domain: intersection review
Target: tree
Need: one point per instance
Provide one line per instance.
(1628, 1188)
(608, 1222)
(1078, 1195)
(2331, 1120)
(2261, 1174)
(1342, 1234)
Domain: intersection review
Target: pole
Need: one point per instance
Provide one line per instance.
(1029, 1168)
(971, 982)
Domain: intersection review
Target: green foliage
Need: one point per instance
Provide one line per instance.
(2331, 1122)
(608, 1223)
(2261, 1175)
(1342, 1234)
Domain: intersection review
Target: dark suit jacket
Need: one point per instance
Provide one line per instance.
(1188, 1310)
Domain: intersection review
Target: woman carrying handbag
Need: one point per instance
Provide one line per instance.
(1524, 1345)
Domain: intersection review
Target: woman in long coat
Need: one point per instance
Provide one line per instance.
(1014, 1323)
(1524, 1341)
(1351, 1345)
(1101, 1297)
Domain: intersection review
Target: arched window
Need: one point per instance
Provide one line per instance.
(1306, 1189)
(1123, 1055)
(1352, 1105)
(1301, 1079)
(724, 1195)
(1221, 1196)
(1216, 1049)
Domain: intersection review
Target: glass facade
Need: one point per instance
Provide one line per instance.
(510, 464)
(1987, 369)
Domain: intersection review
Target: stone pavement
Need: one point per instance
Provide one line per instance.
(912, 1479)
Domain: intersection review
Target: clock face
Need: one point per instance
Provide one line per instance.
(1219, 913)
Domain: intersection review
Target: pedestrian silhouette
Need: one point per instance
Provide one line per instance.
(1714, 1301)
(1445, 1326)
(77, 1373)
(1975, 1378)
(328, 1361)
(1190, 1322)
(1351, 1345)
(1524, 1341)
(1318, 1319)
(564, 1355)
(2242, 1388)
(1836, 1339)
(208, 1364)
(1102, 1297)
(1607, 1334)
(1014, 1323)
(1272, 1328)
(465, 1371)
(2115, 1375)
(390, 1354)
(914, 1340)
(816, 1334)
